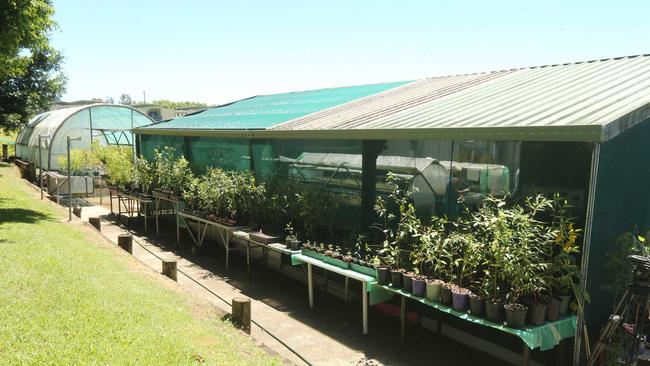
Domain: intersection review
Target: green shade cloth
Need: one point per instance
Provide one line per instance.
(5, 141)
(376, 294)
(544, 337)
(264, 111)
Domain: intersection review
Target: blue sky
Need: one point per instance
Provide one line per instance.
(219, 51)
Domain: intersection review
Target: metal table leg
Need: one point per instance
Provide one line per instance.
(526, 355)
(248, 256)
(402, 317)
(310, 285)
(178, 229)
(227, 245)
(145, 206)
(157, 206)
(347, 289)
(364, 296)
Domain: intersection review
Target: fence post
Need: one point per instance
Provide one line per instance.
(241, 313)
(94, 221)
(125, 241)
(169, 268)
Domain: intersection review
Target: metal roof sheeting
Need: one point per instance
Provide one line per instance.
(585, 101)
(267, 110)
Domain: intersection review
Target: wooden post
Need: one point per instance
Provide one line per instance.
(5, 152)
(125, 241)
(96, 222)
(241, 313)
(169, 268)
(77, 212)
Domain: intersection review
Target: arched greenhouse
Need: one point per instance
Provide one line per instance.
(106, 124)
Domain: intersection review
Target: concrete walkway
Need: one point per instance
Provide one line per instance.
(329, 334)
(308, 341)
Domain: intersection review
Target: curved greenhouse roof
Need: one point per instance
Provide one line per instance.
(107, 124)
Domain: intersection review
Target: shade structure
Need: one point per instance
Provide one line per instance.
(106, 124)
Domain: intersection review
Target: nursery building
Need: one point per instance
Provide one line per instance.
(578, 129)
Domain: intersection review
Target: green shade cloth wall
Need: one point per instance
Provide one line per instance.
(267, 110)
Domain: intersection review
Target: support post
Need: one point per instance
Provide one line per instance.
(95, 221)
(310, 285)
(402, 317)
(364, 297)
(370, 151)
(241, 313)
(125, 241)
(76, 210)
(5, 152)
(169, 268)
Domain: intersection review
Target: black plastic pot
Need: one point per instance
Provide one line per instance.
(536, 314)
(407, 282)
(383, 275)
(515, 315)
(494, 311)
(553, 310)
(419, 287)
(396, 278)
(294, 244)
(445, 295)
(565, 300)
(460, 301)
(476, 305)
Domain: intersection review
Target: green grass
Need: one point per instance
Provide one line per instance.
(68, 299)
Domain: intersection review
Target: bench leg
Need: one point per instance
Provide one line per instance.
(310, 285)
(526, 355)
(347, 289)
(364, 296)
(402, 317)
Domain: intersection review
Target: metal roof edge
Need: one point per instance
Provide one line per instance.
(584, 133)
(621, 124)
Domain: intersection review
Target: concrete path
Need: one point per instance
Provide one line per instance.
(306, 340)
(329, 334)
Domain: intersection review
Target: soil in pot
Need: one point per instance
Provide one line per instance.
(419, 286)
(515, 315)
(433, 290)
(396, 277)
(565, 300)
(476, 305)
(553, 310)
(536, 314)
(460, 298)
(494, 311)
(407, 281)
(383, 275)
(445, 294)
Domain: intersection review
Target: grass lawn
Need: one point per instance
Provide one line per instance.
(69, 298)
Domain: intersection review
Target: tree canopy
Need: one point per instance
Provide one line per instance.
(30, 73)
(173, 105)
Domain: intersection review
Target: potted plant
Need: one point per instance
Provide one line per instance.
(292, 241)
(418, 284)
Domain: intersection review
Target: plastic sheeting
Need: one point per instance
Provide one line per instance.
(105, 123)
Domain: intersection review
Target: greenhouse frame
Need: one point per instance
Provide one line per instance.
(107, 124)
(579, 129)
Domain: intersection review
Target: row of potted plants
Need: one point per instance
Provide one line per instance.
(507, 256)
(506, 259)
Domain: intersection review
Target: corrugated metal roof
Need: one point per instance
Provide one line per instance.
(267, 110)
(586, 101)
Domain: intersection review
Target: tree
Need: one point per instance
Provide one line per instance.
(125, 99)
(173, 105)
(30, 75)
(109, 100)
